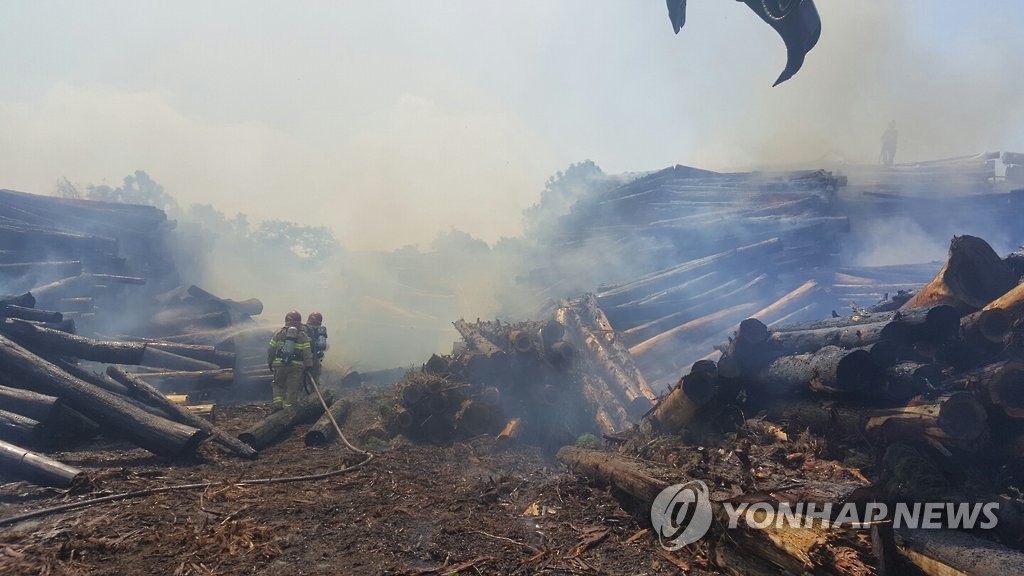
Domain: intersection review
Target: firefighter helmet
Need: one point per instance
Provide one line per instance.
(315, 319)
(292, 318)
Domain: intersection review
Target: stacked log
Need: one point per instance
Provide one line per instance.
(92, 282)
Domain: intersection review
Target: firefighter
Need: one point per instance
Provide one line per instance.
(289, 357)
(318, 340)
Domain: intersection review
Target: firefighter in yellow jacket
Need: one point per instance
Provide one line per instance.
(289, 356)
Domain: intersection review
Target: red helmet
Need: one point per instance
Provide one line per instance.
(292, 318)
(315, 319)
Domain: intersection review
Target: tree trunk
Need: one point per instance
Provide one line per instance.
(201, 352)
(158, 435)
(794, 299)
(905, 380)
(38, 469)
(323, 433)
(155, 398)
(956, 420)
(266, 431)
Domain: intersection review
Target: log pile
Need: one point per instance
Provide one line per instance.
(96, 334)
(931, 395)
(539, 382)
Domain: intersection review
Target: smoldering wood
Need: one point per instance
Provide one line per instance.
(676, 410)
(154, 397)
(473, 417)
(804, 341)
(794, 299)
(38, 469)
(322, 433)
(158, 435)
(41, 270)
(76, 304)
(268, 430)
(509, 434)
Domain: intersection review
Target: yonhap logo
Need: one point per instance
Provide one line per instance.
(681, 514)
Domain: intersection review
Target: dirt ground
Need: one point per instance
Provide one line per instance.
(413, 510)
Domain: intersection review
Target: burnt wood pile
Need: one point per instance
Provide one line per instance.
(925, 401)
(97, 337)
(539, 382)
(682, 255)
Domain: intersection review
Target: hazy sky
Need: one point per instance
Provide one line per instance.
(391, 121)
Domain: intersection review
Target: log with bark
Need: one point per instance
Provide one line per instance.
(55, 342)
(322, 432)
(154, 397)
(830, 369)
(972, 277)
(953, 553)
(999, 385)
(15, 311)
(38, 469)
(795, 549)
(158, 435)
(674, 412)
(21, 429)
(266, 431)
(952, 420)
(191, 380)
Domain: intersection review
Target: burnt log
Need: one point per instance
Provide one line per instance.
(250, 307)
(60, 343)
(191, 380)
(20, 429)
(973, 276)
(268, 430)
(804, 341)
(158, 358)
(34, 405)
(472, 418)
(830, 369)
(26, 300)
(158, 435)
(322, 432)
(905, 380)
(794, 299)
(15, 311)
(201, 352)
(23, 464)
(76, 304)
(155, 398)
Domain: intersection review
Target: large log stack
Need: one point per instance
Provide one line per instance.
(931, 395)
(94, 284)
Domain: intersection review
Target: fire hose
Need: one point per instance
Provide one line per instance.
(204, 485)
